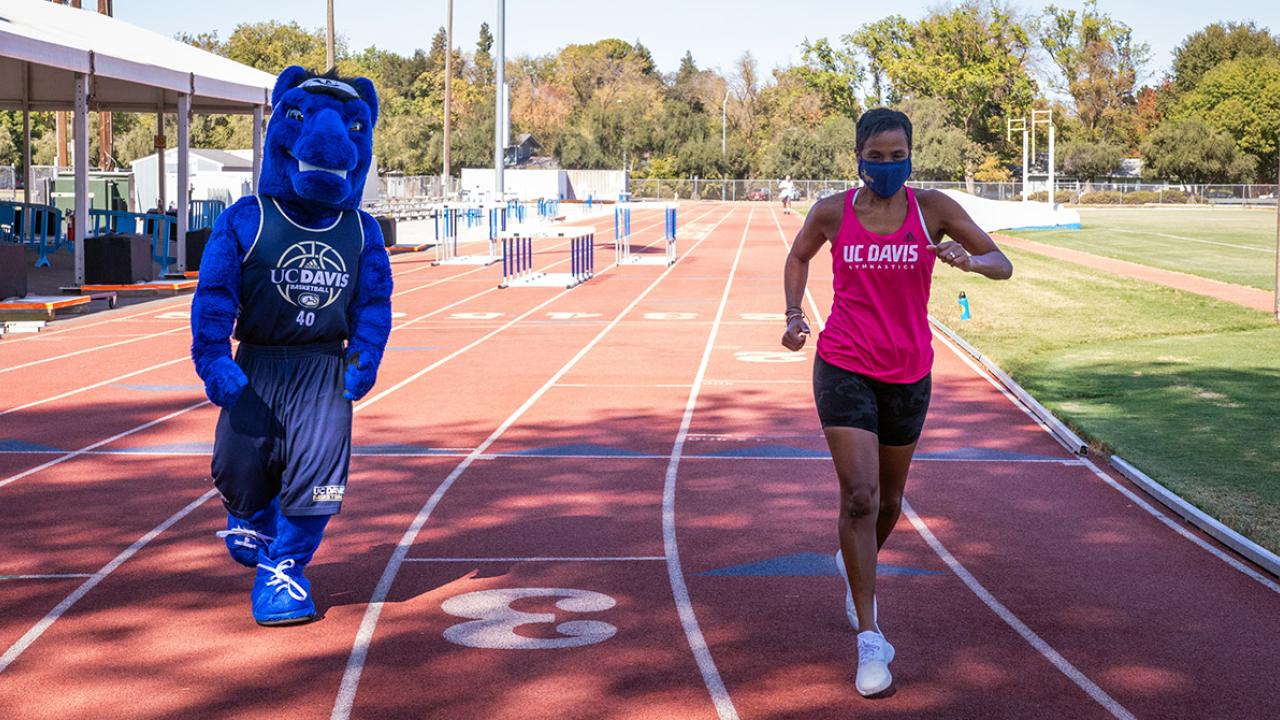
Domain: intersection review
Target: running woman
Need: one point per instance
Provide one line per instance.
(871, 378)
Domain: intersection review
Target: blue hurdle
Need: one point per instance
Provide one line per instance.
(622, 235)
(518, 261)
(446, 219)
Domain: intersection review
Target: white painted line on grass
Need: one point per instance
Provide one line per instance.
(1053, 656)
(1195, 240)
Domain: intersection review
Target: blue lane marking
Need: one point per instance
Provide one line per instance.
(769, 451)
(398, 449)
(191, 448)
(159, 388)
(983, 454)
(805, 564)
(14, 446)
(580, 449)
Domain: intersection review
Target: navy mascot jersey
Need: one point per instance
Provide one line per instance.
(297, 283)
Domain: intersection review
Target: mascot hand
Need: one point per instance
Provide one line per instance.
(362, 373)
(225, 382)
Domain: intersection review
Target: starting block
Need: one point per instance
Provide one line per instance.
(622, 235)
(517, 258)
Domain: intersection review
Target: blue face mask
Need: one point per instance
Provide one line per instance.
(885, 178)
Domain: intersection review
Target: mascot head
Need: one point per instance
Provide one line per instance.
(320, 138)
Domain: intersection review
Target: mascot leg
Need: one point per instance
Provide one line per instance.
(246, 470)
(281, 594)
(316, 454)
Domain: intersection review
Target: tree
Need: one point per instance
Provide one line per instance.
(835, 74)
(1099, 63)
(1242, 98)
(939, 150)
(1205, 49)
(974, 58)
(272, 46)
(823, 152)
(1088, 160)
(1189, 151)
(484, 57)
(688, 69)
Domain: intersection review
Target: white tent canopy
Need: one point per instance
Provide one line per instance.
(54, 57)
(132, 69)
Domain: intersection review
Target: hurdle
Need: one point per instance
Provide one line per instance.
(622, 235)
(447, 246)
(518, 258)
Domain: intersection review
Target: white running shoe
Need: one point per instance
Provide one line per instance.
(850, 609)
(874, 655)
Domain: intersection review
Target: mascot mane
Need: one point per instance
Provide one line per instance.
(319, 143)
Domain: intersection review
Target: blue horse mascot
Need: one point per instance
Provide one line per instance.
(299, 276)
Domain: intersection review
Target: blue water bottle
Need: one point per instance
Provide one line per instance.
(963, 302)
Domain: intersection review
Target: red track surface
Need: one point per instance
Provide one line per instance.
(536, 438)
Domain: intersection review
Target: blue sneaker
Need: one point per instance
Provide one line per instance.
(246, 537)
(281, 594)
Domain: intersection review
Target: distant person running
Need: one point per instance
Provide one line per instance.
(871, 378)
(786, 193)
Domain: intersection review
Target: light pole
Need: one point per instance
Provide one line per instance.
(499, 84)
(448, 94)
(328, 43)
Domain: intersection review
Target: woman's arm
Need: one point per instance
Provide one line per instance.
(819, 226)
(970, 248)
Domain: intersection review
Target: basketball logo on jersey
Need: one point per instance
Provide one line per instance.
(310, 275)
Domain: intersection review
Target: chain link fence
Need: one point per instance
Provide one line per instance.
(1067, 191)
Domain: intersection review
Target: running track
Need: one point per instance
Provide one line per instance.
(628, 480)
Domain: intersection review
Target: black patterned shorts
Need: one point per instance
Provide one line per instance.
(894, 412)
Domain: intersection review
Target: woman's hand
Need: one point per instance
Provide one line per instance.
(953, 254)
(797, 333)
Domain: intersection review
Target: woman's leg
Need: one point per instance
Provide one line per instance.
(856, 455)
(895, 461)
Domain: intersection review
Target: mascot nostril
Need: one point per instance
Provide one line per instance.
(299, 275)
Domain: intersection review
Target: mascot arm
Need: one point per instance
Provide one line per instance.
(217, 302)
(369, 313)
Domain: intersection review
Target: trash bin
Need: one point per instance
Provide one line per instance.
(13, 271)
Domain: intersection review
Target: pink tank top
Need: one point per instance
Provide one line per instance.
(879, 324)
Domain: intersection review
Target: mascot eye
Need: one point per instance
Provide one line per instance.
(356, 126)
(294, 114)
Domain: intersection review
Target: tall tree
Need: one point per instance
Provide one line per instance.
(1205, 49)
(1190, 151)
(1241, 98)
(835, 74)
(1099, 62)
(972, 57)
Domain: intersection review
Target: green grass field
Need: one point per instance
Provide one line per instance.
(1234, 245)
(1185, 387)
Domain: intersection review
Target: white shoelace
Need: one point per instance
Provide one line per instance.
(281, 581)
(870, 650)
(245, 532)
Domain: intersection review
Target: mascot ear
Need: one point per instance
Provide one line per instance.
(364, 86)
(289, 79)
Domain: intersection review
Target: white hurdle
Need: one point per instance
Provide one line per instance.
(622, 234)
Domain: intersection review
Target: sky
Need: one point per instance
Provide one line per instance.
(716, 31)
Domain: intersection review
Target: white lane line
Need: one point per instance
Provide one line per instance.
(43, 335)
(94, 446)
(1164, 519)
(675, 573)
(36, 631)
(95, 348)
(1053, 656)
(48, 576)
(1116, 709)
(619, 558)
(94, 386)
(345, 700)
(24, 642)
(1195, 240)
